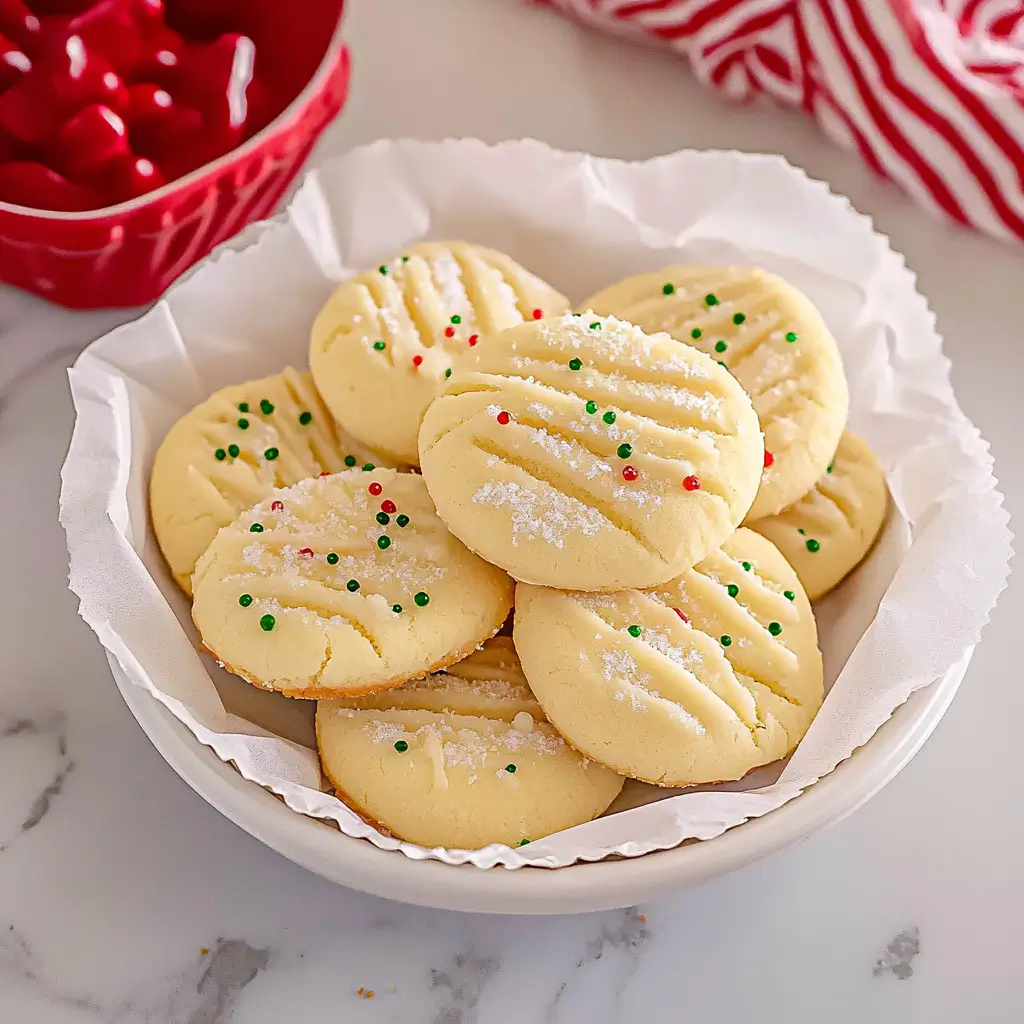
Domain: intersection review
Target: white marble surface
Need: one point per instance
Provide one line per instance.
(125, 899)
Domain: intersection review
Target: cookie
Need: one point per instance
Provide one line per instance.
(460, 759)
(771, 337)
(344, 584)
(698, 681)
(231, 451)
(828, 531)
(582, 453)
(382, 346)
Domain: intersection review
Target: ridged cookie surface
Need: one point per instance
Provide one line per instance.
(698, 681)
(381, 346)
(460, 759)
(344, 584)
(830, 530)
(773, 340)
(580, 452)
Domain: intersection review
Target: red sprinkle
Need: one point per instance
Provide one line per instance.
(630, 473)
(538, 313)
(681, 614)
(768, 458)
(473, 339)
(277, 506)
(449, 332)
(417, 360)
(308, 552)
(325, 474)
(691, 483)
(375, 488)
(387, 505)
(503, 417)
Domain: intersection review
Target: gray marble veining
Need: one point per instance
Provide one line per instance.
(898, 959)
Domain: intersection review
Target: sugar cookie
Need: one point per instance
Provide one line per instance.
(344, 584)
(773, 340)
(460, 759)
(231, 451)
(701, 680)
(830, 530)
(382, 346)
(579, 452)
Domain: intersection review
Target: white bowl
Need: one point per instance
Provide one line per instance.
(568, 890)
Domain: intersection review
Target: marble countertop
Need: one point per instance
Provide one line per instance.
(125, 899)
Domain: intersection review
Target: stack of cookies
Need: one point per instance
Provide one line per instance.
(646, 493)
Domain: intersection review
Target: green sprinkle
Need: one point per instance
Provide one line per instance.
(575, 364)
(384, 543)
(397, 609)
(266, 407)
(383, 518)
(738, 318)
(813, 546)
(402, 520)
(267, 623)
(523, 842)
(256, 528)
(379, 345)
(609, 417)
(746, 565)
(243, 406)
(243, 424)
(448, 372)
(801, 531)
(734, 591)
(696, 333)
(596, 325)
(369, 467)
(271, 454)
(234, 451)
(405, 259)
(721, 364)
(710, 299)
(510, 768)
(352, 586)
(401, 746)
(720, 346)
(789, 595)
(422, 599)
(790, 337)
(668, 288)
(634, 630)
(332, 558)
(456, 319)
(245, 600)
(220, 455)
(830, 465)
(305, 418)
(726, 640)
(350, 461)
(624, 451)
(382, 270)
(775, 628)
(591, 407)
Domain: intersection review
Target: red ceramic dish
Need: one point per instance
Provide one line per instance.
(127, 255)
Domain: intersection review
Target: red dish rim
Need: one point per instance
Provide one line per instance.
(310, 91)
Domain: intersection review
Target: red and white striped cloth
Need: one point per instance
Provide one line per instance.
(929, 92)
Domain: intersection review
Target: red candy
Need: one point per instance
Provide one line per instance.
(449, 332)
(417, 360)
(681, 614)
(90, 139)
(387, 505)
(503, 417)
(768, 459)
(630, 473)
(277, 506)
(375, 488)
(538, 313)
(26, 183)
(306, 552)
(473, 339)
(691, 483)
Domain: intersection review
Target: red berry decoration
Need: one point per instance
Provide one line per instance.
(538, 313)
(503, 417)
(691, 483)
(630, 473)
(375, 488)
(449, 332)
(387, 505)
(768, 458)
(277, 506)
(681, 614)
(473, 339)
(307, 552)
(417, 361)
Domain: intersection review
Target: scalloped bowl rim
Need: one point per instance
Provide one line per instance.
(582, 887)
(302, 100)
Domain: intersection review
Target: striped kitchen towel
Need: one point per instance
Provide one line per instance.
(929, 92)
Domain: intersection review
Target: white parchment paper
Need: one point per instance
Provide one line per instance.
(904, 619)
